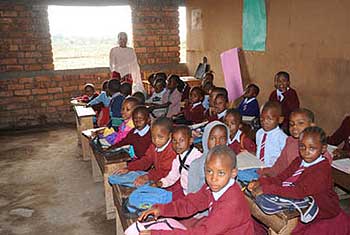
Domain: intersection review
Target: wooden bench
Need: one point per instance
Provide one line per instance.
(281, 223)
(122, 222)
(104, 166)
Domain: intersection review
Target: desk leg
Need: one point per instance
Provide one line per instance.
(85, 123)
(118, 225)
(110, 208)
(78, 130)
(96, 171)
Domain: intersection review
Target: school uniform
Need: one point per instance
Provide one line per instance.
(287, 156)
(342, 134)
(289, 102)
(158, 98)
(160, 158)
(205, 102)
(186, 92)
(179, 169)
(123, 130)
(241, 142)
(302, 179)
(115, 104)
(194, 113)
(139, 139)
(269, 145)
(101, 98)
(174, 97)
(228, 212)
(219, 116)
(249, 107)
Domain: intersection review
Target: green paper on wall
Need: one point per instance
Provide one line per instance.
(254, 25)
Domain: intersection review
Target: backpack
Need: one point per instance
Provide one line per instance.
(145, 197)
(272, 204)
(99, 146)
(160, 224)
(247, 175)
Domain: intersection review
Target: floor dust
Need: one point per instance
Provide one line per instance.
(43, 171)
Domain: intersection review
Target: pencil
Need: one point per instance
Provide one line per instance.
(244, 188)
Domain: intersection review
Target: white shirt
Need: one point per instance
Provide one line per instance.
(195, 104)
(217, 195)
(161, 149)
(143, 131)
(308, 164)
(247, 101)
(237, 137)
(222, 114)
(275, 142)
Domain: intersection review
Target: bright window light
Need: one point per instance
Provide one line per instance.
(183, 32)
(83, 36)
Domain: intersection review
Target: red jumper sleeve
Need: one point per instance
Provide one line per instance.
(162, 164)
(143, 163)
(341, 134)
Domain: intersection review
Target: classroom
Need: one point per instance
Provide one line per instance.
(174, 116)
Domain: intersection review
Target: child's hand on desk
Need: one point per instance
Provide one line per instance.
(145, 232)
(121, 171)
(150, 212)
(141, 180)
(253, 185)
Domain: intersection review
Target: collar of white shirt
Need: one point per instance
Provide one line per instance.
(143, 131)
(116, 94)
(222, 114)
(272, 131)
(196, 104)
(308, 164)
(217, 195)
(247, 101)
(161, 93)
(236, 137)
(161, 149)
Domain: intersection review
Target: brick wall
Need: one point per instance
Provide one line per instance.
(25, 43)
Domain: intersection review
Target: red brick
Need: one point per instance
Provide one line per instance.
(6, 93)
(44, 97)
(39, 91)
(48, 66)
(27, 61)
(86, 76)
(14, 67)
(70, 88)
(13, 48)
(15, 86)
(9, 13)
(32, 54)
(51, 109)
(8, 61)
(42, 78)
(26, 47)
(22, 92)
(54, 90)
(25, 80)
(56, 103)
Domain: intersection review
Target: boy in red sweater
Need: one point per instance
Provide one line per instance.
(140, 136)
(220, 105)
(194, 112)
(285, 95)
(160, 154)
(228, 209)
(238, 141)
(309, 175)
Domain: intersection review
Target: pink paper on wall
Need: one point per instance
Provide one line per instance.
(232, 73)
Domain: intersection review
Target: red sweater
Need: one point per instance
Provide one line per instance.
(196, 114)
(161, 162)
(228, 215)
(140, 143)
(342, 134)
(245, 144)
(289, 103)
(315, 181)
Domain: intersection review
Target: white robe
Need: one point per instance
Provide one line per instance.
(124, 61)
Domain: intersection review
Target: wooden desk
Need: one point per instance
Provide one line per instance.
(341, 179)
(281, 223)
(121, 193)
(191, 81)
(107, 165)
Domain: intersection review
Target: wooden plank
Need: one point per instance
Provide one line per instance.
(82, 111)
(191, 81)
(341, 179)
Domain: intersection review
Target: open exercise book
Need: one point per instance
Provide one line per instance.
(342, 165)
(246, 160)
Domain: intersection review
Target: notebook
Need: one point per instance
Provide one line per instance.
(246, 160)
(342, 165)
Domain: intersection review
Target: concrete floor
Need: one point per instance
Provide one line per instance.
(43, 171)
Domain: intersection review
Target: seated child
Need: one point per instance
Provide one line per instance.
(158, 97)
(140, 136)
(228, 209)
(160, 154)
(127, 125)
(115, 104)
(194, 111)
(285, 95)
(89, 93)
(238, 141)
(299, 120)
(173, 96)
(215, 133)
(309, 175)
(125, 89)
(342, 134)
(207, 88)
(102, 97)
(270, 139)
(249, 106)
(186, 153)
(215, 91)
(220, 105)
(140, 96)
(101, 106)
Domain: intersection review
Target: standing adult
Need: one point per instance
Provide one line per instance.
(122, 59)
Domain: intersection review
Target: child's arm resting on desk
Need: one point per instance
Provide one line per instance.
(144, 163)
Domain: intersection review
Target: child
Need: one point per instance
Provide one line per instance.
(158, 97)
(126, 89)
(249, 106)
(342, 134)
(101, 105)
(215, 133)
(102, 97)
(228, 209)
(298, 121)
(186, 153)
(220, 105)
(173, 96)
(160, 154)
(238, 141)
(270, 139)
(89, 93)
(207, 88)
(140, 136)
(285, 95)
(194, 111)
(140, 96)
(216, 91)
(127, 125)
(309, 175)
(115, 104)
